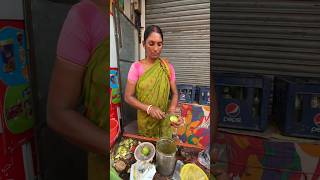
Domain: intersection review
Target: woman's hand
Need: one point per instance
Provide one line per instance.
(179, 123)
(176, 111)
(156, 112)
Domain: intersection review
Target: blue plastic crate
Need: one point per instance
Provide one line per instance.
(203, 95)
(186, 93)
(297, 107)
(243, 100)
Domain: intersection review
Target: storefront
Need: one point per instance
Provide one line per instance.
(180, 46)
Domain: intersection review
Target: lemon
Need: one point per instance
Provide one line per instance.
(191, 172)
(145, 151)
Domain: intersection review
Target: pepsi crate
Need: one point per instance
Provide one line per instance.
(243, 100)
(203, 95)
(297, 107)
(186, 93)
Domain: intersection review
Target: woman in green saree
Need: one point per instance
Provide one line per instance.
(149, 84)
(79, 79)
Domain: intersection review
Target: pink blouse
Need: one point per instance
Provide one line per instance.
(83, 30)
(136, 71)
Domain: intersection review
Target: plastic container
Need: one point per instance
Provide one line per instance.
(186, 93)
(113, 174)
(244, 100)
(204, 95)
(192, 171)
(297, 106)
(114, 131)
(138, 155)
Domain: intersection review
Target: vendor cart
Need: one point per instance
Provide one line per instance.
(123, 161)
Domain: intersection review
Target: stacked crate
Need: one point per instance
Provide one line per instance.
(243, 100)
(297, 106)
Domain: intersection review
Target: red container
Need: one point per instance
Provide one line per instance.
(114, 131)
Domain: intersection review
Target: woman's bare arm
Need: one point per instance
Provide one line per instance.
(174, 95)
(130, 98)
(63, 99)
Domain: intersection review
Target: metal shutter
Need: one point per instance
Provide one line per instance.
(186, 28)
(280, 37)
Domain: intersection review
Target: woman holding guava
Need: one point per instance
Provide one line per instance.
(150, 82)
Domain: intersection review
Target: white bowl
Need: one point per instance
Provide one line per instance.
(137, 152)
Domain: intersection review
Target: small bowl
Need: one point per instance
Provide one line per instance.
(138, 155)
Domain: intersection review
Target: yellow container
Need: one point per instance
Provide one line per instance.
(192, 172)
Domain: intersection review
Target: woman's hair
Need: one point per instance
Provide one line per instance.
(150, 29)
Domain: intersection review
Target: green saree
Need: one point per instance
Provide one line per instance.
(96, 101)
(153, 88)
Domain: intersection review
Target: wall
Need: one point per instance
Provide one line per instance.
(11, 9)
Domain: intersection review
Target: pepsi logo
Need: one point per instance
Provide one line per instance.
(316, 119)
(233, 110)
